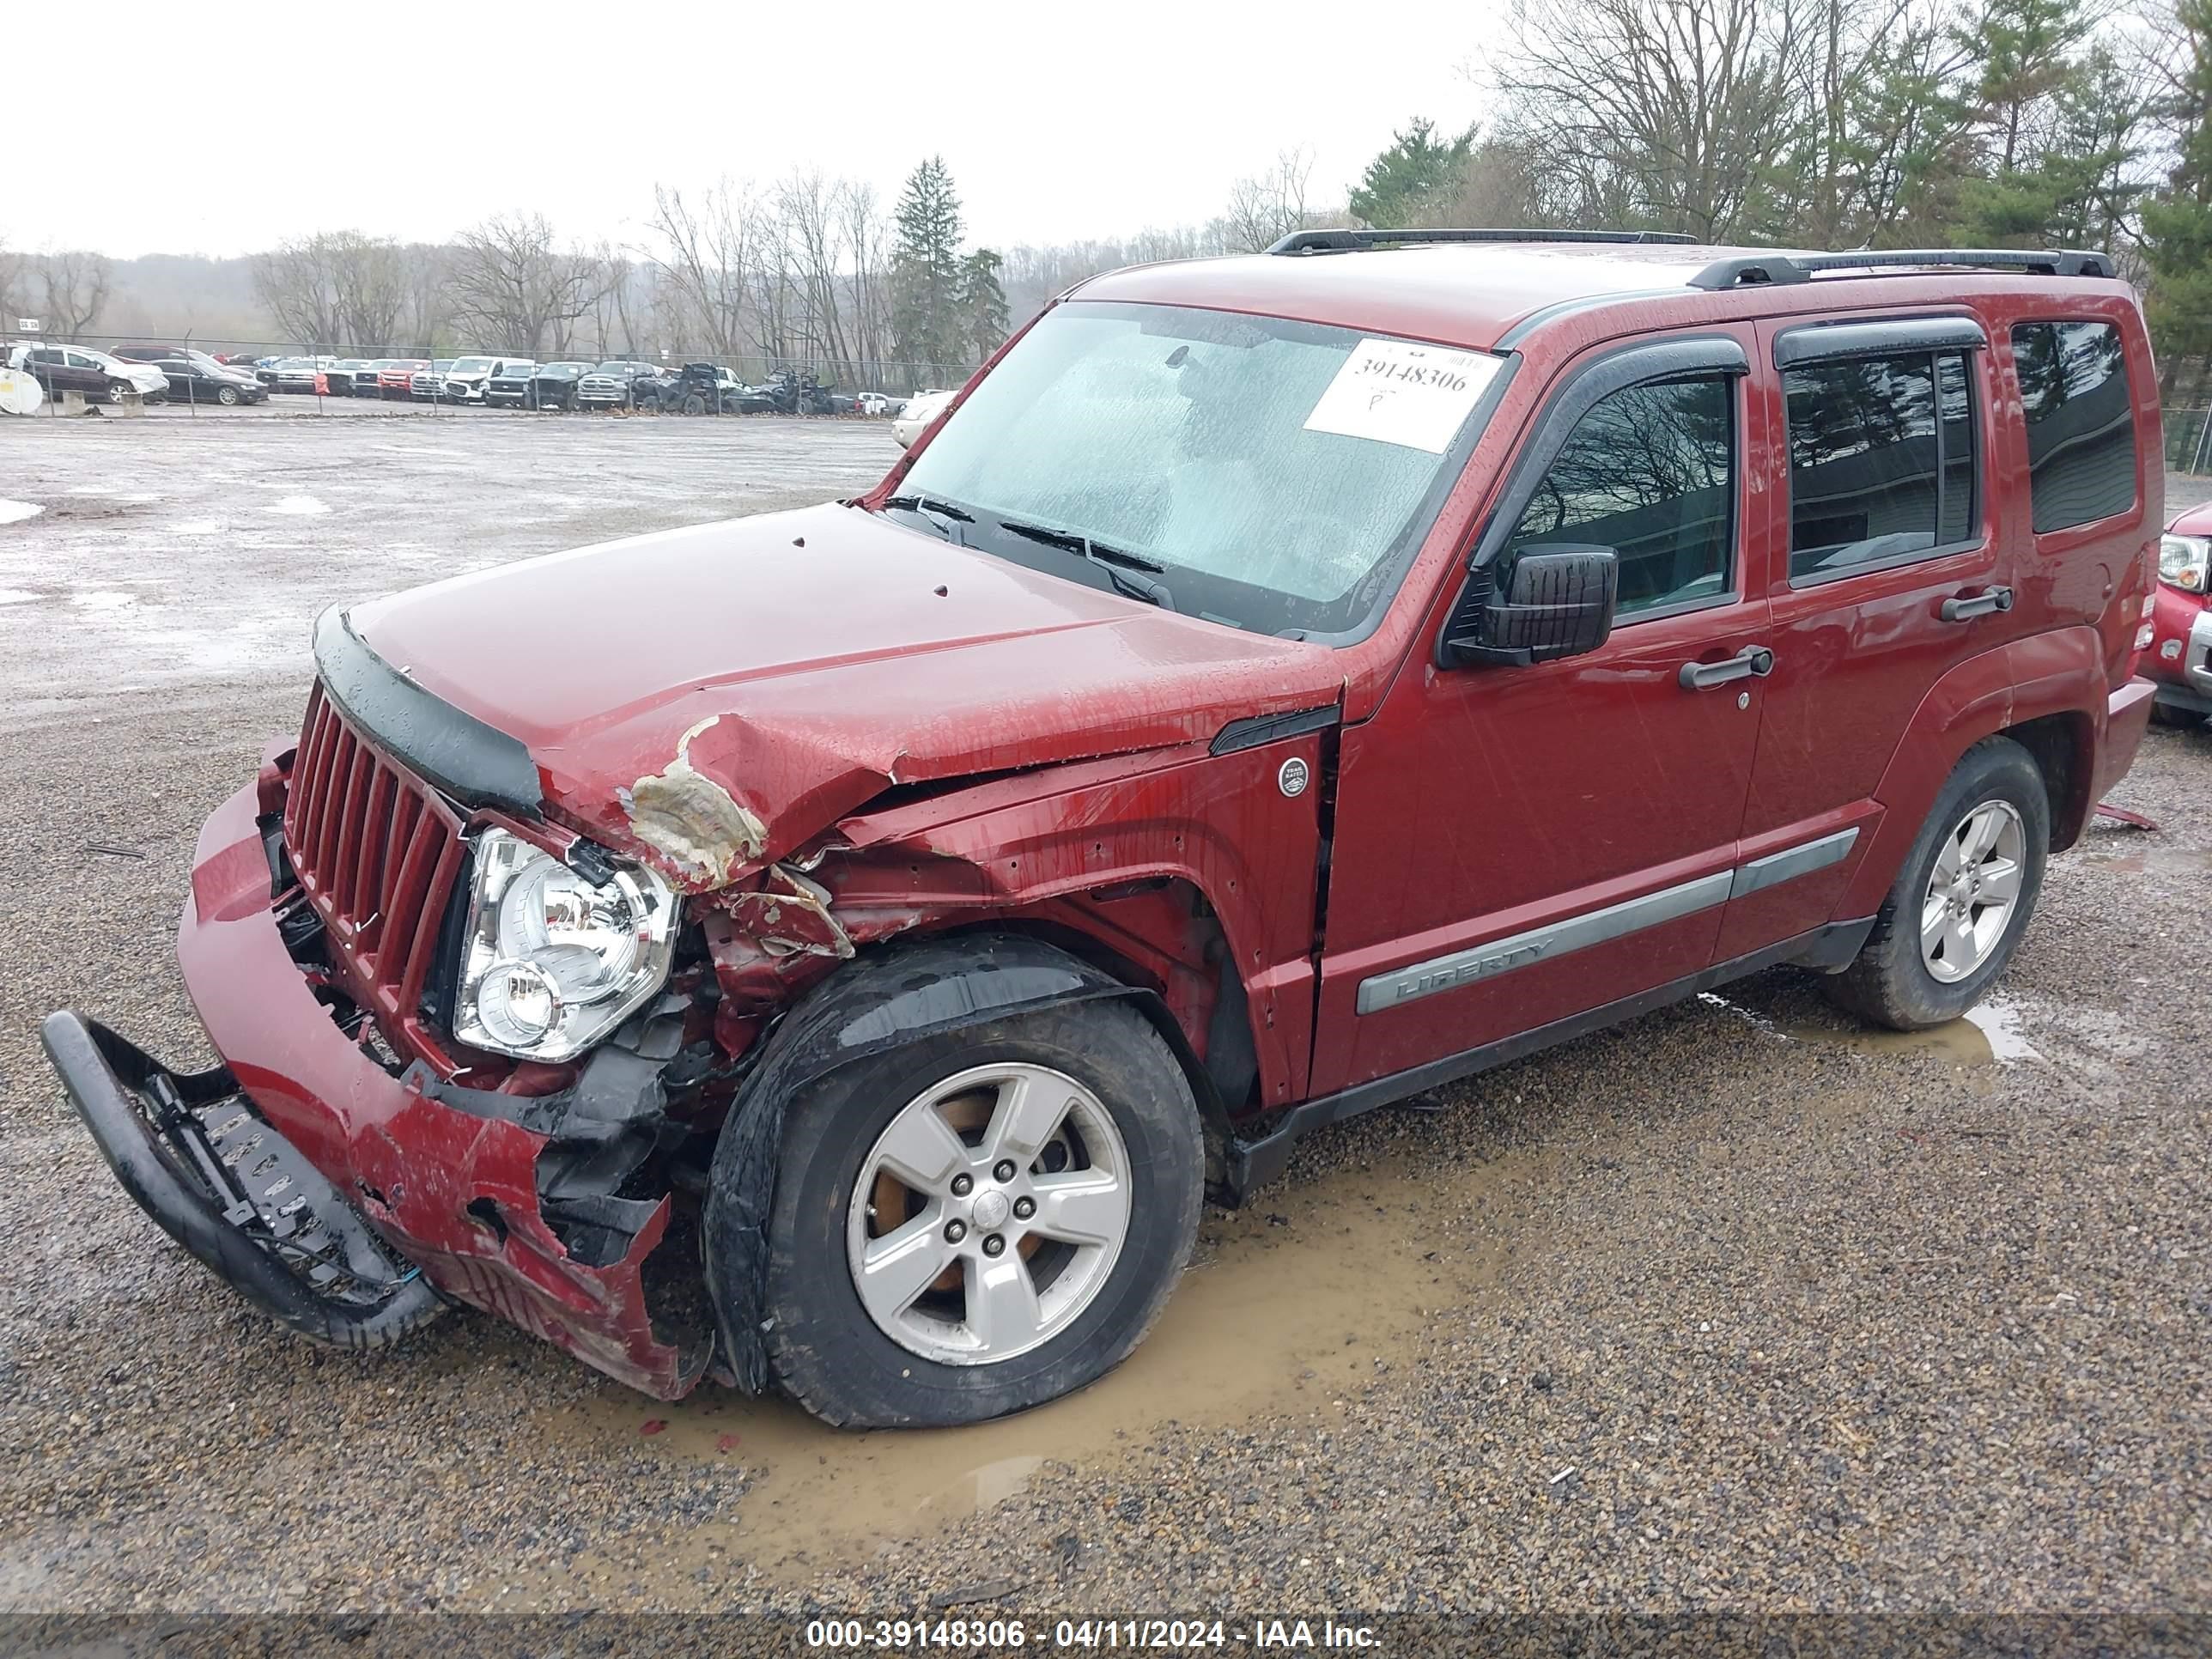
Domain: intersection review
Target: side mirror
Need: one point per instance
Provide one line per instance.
(1559, 604)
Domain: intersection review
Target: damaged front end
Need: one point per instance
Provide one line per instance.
(567, 1111)
(354, 1157)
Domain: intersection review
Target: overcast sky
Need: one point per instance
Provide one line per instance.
(266, 120)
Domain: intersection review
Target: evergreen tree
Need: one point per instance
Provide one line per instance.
(1417, 172)
(982, 302)
(2178, 225)
(926, 322)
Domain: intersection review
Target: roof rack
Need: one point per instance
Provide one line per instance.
(1351, 241)
(1764, 269)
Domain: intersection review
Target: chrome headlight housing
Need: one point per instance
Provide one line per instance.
(2182, 561)
(552, 960)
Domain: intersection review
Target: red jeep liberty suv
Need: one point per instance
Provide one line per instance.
(840, 949)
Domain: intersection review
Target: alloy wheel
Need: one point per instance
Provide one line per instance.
(988, 1214)
(1973, 891)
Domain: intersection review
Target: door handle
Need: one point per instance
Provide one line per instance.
(1745, 664)
(1964, 607)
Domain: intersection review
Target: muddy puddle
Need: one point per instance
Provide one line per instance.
(1989, 1034)
(1287, 1306)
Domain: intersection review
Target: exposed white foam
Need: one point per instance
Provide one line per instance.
(301, 507)
(11, 512)
(103, 599)
(15, 596)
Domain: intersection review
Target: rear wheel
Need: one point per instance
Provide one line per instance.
(1964, 897)
(978, 1223)
(2165, 713)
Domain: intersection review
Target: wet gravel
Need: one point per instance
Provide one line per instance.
(1767, 1317)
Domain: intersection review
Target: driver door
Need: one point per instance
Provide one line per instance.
(1520, 846)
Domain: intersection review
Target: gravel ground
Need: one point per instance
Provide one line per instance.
(1737, 1306)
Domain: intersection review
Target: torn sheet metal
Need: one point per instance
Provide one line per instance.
(691, 820)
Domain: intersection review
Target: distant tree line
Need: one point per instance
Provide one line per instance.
(1806, 123)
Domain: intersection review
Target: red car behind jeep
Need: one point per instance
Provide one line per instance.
(2179, 655)
(840, 949)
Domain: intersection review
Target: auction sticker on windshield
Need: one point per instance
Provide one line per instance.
(1397, 393)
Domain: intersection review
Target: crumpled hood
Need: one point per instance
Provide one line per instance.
(712, 697)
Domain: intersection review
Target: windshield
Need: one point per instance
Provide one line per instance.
(470, 365)
(1279, 475)
(563, 371)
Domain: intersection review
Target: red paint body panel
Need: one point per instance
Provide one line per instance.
(831, 670)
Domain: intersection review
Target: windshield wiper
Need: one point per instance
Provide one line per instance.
(931, 504)
(1121, 568)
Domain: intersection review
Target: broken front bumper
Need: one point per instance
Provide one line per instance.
(226, 1186)
(446, 1177)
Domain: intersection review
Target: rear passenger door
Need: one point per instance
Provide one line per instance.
(1890, 570)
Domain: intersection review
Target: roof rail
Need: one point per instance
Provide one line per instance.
(1350, 241)
(1763, 270)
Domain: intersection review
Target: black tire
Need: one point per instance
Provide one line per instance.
(825, 1350)
(694, 405)
(118, 389)
(227, 396)
(2165, 713)
(1889, 983)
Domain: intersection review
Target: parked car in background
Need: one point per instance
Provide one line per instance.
(553, 386)
(92, 373)
(395, 376)
(299, 374)
(694, 389)
(2177, 656)
(160, 353)
(465, 378)
(429, 384)
(790, 393)
(920, 411)
(874, 404)
(512, 384)
(350, 377)
(194, 382)
(612, 384)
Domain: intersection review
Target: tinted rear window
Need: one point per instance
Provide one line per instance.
(1875, 475)
(2081, 421)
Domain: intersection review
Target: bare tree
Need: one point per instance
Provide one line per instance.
(11, 278)
(369, 279)
(73, 287)
(512, 281)
(293, 280)
(812, 233)
(1667, 114)
(1264, 209)
(705, 261)
(862, 224)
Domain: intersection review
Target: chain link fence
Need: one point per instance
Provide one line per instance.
(2189, 440)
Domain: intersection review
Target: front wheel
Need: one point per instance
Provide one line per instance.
(1964, 897)
(977, 1223)
(227, 396)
